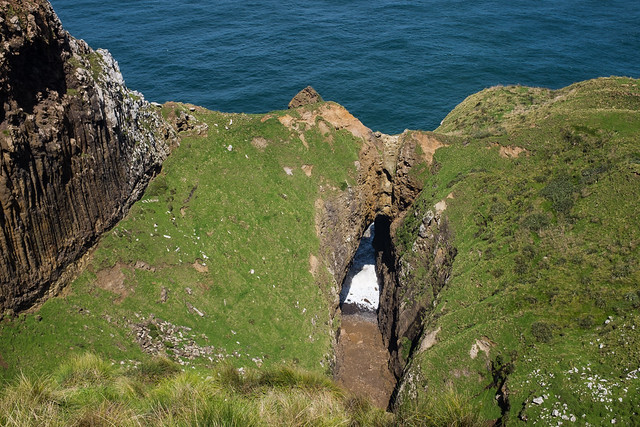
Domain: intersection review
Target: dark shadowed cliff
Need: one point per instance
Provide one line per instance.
(76, 149)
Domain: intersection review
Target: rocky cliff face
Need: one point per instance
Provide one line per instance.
(77, 148)
(412, 272)
(391, 172)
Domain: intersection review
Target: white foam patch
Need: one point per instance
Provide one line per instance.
(361, 284)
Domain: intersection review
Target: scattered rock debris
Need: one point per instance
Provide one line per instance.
(194, 310)
(164, 294)
(158, 337)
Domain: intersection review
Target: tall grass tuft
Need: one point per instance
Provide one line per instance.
(31, 402)
(151, 371)
(87, 391)
(450, 408)
(84, 370)
(107, 414)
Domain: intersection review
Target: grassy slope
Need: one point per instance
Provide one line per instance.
(236, 212)
(547, 251)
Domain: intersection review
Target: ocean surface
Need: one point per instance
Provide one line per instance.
(393, 64)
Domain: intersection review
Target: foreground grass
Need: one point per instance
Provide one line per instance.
(90, 391)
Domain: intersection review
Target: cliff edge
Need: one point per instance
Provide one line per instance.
(77, 148)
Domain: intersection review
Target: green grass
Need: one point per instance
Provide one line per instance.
(88, 390)
(248, 225)
(547, 274)
(547, 250)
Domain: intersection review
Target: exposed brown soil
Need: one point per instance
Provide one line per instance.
(362, 359)
(201, 268)
(510, 152)
(428, 143)
(113, 280)
(260, 143)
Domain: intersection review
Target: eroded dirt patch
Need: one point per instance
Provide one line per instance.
(362, 365)
(333, 114)
(313, 265)
(260, 143)
(200, 267)
(112, 280)
(428, 143)
(511, 152)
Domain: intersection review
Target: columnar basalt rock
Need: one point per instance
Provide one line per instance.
(77, 148)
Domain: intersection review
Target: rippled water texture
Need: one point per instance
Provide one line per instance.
(393, 64)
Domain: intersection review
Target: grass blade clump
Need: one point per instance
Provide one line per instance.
(84, 370)
(90, 391)
(449, 408)
(30, 402)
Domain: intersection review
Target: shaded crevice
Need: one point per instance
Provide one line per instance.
(411, 280)
(362, 358)
(500, 372)
(386, 265)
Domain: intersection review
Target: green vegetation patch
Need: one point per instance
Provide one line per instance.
(211, 265)
(547, 268)
(87, 390)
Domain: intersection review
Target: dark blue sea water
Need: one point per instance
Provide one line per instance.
(393, 64)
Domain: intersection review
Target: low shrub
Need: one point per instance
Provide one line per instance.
(542, 332)
(560, 192)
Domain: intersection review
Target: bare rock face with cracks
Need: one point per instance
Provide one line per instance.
(77, 148)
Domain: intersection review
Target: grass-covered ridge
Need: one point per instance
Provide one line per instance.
(544, 298)
(213, 263)
(212, 268)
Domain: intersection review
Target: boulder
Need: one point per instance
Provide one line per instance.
(306, 96)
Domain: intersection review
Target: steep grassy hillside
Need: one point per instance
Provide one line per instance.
(214, 262)
(544, 297)
(535, 196)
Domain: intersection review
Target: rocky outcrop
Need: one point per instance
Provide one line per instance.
(77, 148)
(411, 281)
(342, 219)
(411, 276)
(306, 96)
(391, 171)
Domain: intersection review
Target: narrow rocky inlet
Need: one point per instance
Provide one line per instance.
(362, 359)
